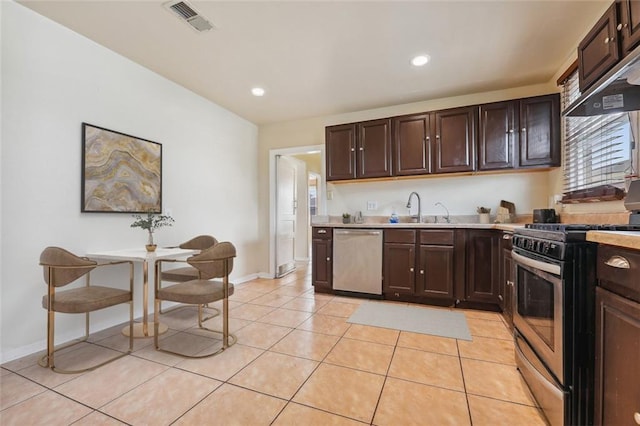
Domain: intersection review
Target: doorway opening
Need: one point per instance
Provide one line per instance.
(296, 188)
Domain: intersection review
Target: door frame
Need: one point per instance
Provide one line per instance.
(273, 153)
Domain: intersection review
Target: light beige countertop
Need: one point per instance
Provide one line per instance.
(410, 225)
(626, 239)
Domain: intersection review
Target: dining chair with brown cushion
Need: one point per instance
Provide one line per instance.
(188, 273)
(216, 261)
(60, 268)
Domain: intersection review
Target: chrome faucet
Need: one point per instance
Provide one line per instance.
(419, 215)
(446, 218)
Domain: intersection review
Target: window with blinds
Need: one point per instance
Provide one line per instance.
(597, 151)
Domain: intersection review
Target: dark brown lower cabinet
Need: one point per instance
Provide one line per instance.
(399, 258)
(322, 260)
(617, 382)
(483, 266)
(399, 269)
(435, 274)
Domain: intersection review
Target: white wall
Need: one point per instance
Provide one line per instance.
(460, 194)
(54, 79)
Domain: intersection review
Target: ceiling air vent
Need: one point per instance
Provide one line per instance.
(187, 13)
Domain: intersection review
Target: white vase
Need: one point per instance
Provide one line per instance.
(484, 217)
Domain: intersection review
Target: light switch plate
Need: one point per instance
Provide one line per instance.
(372, 205)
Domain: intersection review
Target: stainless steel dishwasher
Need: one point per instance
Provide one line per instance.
(357, 260)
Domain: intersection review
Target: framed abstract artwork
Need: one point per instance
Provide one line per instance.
(120, 173)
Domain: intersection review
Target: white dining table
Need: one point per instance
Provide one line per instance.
(143, 256)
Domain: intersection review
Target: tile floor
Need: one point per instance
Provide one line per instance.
(297, 362)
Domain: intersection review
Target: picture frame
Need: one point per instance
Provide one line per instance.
(120, 173)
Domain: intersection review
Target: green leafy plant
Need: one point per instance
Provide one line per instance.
(483, 210)
(151, 222)
(346, 215)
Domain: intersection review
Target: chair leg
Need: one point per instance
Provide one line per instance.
(48, 360)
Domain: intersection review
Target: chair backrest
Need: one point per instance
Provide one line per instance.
(211, 261)
(201, 242)
(62, 267)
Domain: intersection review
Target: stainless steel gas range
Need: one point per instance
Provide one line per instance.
(554, 317)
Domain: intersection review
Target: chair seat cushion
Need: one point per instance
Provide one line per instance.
(180, 275)
(195, 292)
(86, 299)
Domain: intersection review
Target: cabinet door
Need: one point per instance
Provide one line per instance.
(321, 265)
(599, 50)
(374, 149)
(411, 145)
(399, 268)
(540, 131)
(498, 136)
(629, 24)
(483, 270)
(454, 148)
(617, 387)
(435, 272)
(340, 144)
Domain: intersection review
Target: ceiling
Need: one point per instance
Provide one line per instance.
(332, 57)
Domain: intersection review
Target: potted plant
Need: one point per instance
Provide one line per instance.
(151, 223)
(484, 214)
(346, 218)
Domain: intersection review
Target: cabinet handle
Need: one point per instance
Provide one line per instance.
(506, 237)
(500, 297)
(636, 417)
(618, 262)
(619, 27)
(524, 129)
(437, 136)
(410, 269)
(427, 138)
(606, 40)
(510, 283)
(510, 131)
(328, 259)
(322, 231)
(353, 149)
(421, 271)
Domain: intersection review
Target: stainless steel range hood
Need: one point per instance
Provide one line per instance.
(617, 91)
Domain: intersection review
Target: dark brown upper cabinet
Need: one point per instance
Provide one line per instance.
(374, 149)
(358, 150)
(411, 145)
(498, 138)
(629, 25)
(599, 50)
(540, 131)
(455, 140)
(340, 145)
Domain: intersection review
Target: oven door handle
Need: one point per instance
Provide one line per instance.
(536, 264)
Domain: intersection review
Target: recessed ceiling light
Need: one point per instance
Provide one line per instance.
(420, 60)
(257, 91)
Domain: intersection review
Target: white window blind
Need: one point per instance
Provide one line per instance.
(597, 149)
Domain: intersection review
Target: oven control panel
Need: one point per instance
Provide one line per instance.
(552, 249)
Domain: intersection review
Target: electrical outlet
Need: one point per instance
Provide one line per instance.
(372, 205)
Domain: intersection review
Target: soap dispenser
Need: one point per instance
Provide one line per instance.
(394, 217)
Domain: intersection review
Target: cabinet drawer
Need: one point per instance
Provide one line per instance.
(619, 271)
(322, 233)
(440, 237)
(400, 236)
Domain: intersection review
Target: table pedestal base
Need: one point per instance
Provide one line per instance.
(138, 330)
